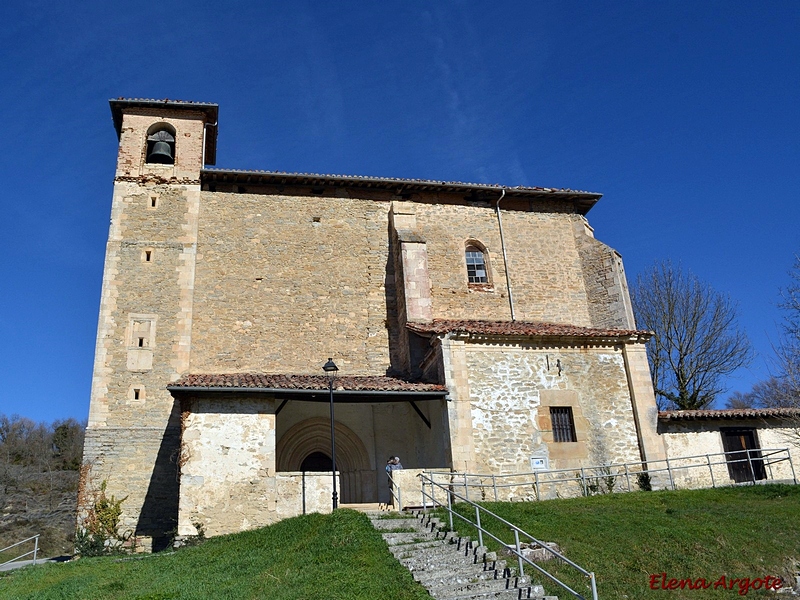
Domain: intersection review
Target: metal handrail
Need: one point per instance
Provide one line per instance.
(768, 457)
(392, 487)
(35, 550)
(516, 550)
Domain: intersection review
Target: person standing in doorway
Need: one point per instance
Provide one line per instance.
(393, 464)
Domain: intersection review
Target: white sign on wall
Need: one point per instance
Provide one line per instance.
(540, 463)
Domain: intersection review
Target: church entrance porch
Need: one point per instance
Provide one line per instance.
(367, 433)
(252, 456)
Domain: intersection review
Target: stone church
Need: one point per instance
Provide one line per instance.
(477, 328)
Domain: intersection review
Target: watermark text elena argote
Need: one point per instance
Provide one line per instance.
(742, 585)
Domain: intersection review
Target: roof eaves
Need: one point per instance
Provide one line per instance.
(478, 330)
(584, 199)
(303, 391)
(729, 413)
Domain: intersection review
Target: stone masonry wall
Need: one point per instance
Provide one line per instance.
(284, 282)
(144, 327)
(140, 465)
(506, 388)
(604, 278)
(130, 410)
(545, 267)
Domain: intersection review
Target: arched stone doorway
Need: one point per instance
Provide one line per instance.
(310, 440)
(317, 462)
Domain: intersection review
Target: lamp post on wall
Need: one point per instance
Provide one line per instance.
(331, 369)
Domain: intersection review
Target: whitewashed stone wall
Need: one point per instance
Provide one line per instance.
(692, 438)
(505, 387)
(227, 467)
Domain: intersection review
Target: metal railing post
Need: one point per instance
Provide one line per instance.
(628, 477)
(450, 511)
(424, 495)
(750, 462)
(519, 553)
(494, 485)
(671, 478)
(35, 550)
(466, 487)
(583, 483)
(593, 579)
(536, 484)
(478, 521)
(711, 471)
(791, 464)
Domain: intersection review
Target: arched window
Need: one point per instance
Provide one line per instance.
(476, 265)
(161, 145)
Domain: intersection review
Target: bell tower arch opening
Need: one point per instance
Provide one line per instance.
(160, 144)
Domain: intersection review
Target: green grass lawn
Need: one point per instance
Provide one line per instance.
(742, 532)
(745, 532)
(337, 556)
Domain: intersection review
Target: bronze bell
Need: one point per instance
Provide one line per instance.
(161, 153)
(161, 150)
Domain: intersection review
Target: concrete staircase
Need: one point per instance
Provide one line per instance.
(449, 566)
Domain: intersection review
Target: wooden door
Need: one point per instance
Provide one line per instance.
(737, 441)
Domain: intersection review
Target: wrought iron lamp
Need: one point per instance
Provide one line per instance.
(331, 370)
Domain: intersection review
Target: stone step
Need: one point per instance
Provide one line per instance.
(408, 538)
(520, 584)
(464, 549)
(426, 562)
(405, 548)
(384, 524)
(452, 574)
(447, 553)
(451, 567)
(442, 579)
(412, 537)
(505, 595)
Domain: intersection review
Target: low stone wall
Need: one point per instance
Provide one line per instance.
(408, 487)
(247, 506)
(300, 493)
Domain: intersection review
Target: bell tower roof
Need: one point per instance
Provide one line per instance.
(210, 110)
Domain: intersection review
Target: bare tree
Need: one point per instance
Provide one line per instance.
(697, 338)
(788, 350)
(773, 392)
(740, 400)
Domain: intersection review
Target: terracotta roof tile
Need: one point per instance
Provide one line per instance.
(729, 413)
(303, 382)
(519, 328)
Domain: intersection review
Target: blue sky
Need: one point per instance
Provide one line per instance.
(683, 114)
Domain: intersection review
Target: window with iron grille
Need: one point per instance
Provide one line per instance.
(563, 424)
(476, 266)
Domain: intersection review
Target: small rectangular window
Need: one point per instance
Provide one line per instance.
(141, 342)
(136, 392)
(148, 255)
(563, 424)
